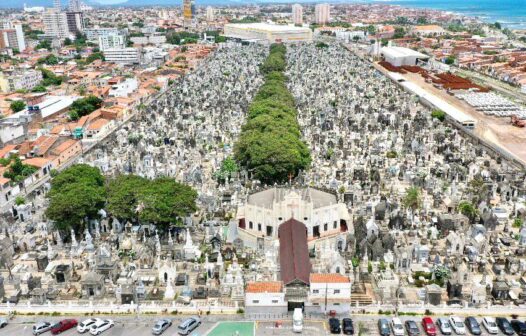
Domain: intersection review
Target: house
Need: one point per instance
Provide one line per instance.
(98, 127)
(428, 30)
(329, 291)
(66, 151)
(264, 297)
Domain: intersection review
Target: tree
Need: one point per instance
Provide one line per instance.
(17, 105)
(468, 209)
(67, 41)
(497, 25)
(422, 20)
(371, 30)
(412, 200)
(94, 56)
(123, 196)
(450, 60)
(85, 106)
(39, 88)
(19, 200)
(165, 201)
(270, 144)
(44, 44)
(399, 32)
(438, 114)
(18, 171)
(49, 60)
(77, 193)
(49, 78)
(478, 189)
(228, 167)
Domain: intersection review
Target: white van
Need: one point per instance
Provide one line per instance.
(297, 320)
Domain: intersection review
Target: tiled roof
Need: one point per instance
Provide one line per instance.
(264, 287)
(328, 278)
(294, 252)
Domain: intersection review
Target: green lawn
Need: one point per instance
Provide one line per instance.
(230, 329)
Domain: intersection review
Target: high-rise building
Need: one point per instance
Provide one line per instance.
(12, 36)
(297, 14)
(322, 13)
(187, 12)
(55, 24)
(57, 5)
(75, 22)
(210, 14)
(74, 6)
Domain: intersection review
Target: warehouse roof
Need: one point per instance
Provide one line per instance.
(402, 52)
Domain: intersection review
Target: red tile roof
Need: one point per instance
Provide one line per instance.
(328, 278)
(294, 252)
(264, 287)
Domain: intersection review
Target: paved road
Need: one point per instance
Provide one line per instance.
(130, 326)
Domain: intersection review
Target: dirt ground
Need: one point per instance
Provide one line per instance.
(498, 131)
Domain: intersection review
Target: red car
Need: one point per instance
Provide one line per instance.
(63, 326)
(429, 326)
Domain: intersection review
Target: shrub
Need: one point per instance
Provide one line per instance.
(438, 114)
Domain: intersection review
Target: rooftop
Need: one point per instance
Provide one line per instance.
(264, 287)
(328, 278)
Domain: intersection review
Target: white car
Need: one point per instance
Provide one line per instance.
(490, 324)
(397, 326)
(458, 325)
(444, 326)
(101, 326)
(86, 324)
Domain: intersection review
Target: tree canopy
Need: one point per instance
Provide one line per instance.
(17, 105)
(76, 194)
(270, 142)
(84, 106)
(162, 201)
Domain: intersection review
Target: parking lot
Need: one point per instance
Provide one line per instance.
(123, 327)
(131, 326)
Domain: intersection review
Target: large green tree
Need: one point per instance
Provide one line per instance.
(164, 202)
(123, 196)
(270, 144)
(76, 194)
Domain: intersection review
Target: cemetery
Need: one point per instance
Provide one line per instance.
(282, 170)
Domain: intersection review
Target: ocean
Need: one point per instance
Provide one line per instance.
(510, 13)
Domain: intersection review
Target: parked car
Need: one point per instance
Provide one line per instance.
(334, 325)
(412, 328)
(188, 325)
(444, 326)
(85, 325)
(397, 327)
(490, 324)
(41, 327)
(348, 327)
(161, 326)
(457, 325)
(429, 326)
(383, 327)
(473, 325)
(101, 326)
(63, 326)
(519, 327)
(504, 326)
(3, 322)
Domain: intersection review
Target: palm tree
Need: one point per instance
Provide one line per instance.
(412, 200)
